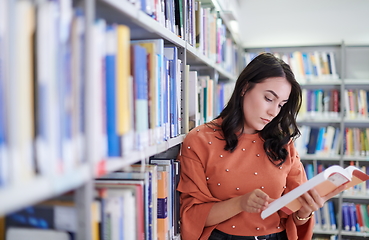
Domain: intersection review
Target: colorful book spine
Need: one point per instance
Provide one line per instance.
(111, 93)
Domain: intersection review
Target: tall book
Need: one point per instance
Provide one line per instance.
(163, 223)
(124, 97)
(193, 100)
(78, 83)
(4, 177)
(21, 94)
(140, 91)
(114, 146)
(171, 53)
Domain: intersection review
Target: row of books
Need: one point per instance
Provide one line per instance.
(307, 66)
(132, 99)
(211, 37)
(355, 217)
(168, 13)
(356, 141)
(322, 141)
(3, 74)
(203, 30)
(41, 111)
(320, 104)
(201, 104)
(326, 141)
(140, 202)
(356, 103)
(326, 104)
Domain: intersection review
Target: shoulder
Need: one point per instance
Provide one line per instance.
(200, 138)
(204, 131)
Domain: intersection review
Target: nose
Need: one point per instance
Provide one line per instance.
(273, 110)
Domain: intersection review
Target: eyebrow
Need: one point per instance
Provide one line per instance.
(276, 95)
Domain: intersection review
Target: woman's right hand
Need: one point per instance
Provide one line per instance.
(255, 201)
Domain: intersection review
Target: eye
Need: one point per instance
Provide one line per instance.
(281, 105)
(268, 99)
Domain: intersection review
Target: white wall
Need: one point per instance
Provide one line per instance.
(297, 23)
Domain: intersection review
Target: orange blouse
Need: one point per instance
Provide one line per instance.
(210, 174)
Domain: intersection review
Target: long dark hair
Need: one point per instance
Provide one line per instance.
(283, 127)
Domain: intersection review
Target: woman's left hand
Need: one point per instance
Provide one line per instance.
(312, 201)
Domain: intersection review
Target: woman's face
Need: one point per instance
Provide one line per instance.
(262, 103)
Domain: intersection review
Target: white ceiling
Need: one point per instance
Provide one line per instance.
(270, 23)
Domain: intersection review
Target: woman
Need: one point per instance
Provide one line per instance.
(235, 165)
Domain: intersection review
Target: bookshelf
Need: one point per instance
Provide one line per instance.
(351, 63)
(55, 171)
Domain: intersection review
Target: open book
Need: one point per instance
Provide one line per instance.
(324, 182)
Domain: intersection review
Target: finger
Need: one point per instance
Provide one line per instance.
(307, 201)
(318, 200)
(260, 194)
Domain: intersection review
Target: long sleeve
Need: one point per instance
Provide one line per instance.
(196, 199)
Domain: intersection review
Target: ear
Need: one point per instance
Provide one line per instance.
(244, 90)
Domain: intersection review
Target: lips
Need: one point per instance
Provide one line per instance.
(265, 120)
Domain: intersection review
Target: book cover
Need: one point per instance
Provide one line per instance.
(21, 94)
(141, 93)
(332, 215)
(111, 93)
(365, 216)
(346, 220)
(353, 220)
(123, 66)
(171, 53)
(326, 220)
(359, 217)
(324, 182)
(193, 105)
(163, 223)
